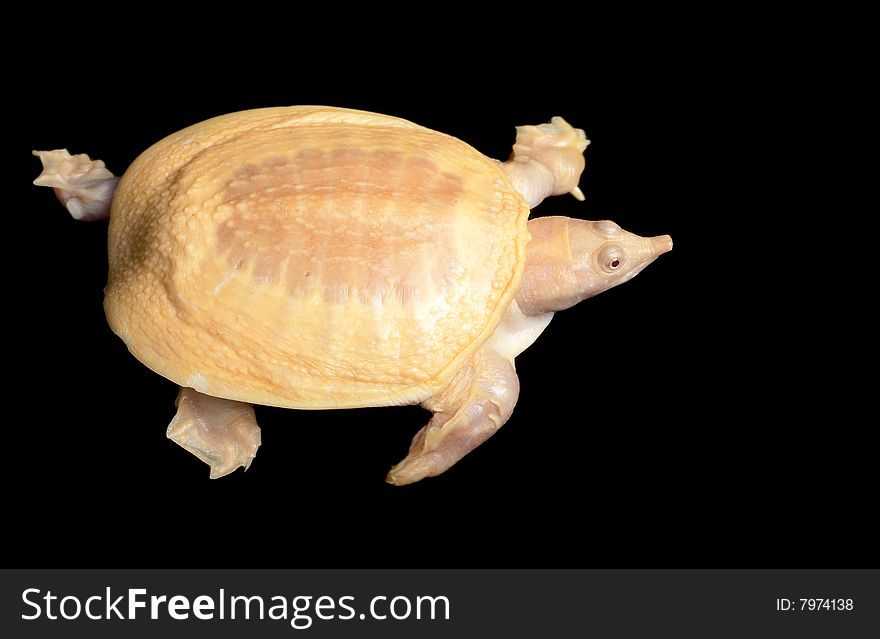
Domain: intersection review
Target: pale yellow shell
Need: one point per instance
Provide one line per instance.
(312, 257)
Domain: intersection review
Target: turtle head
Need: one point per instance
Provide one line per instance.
(569, 260)
(604, 255)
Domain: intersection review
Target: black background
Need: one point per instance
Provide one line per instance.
(703, 414)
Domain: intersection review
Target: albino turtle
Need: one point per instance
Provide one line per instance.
(317, 257)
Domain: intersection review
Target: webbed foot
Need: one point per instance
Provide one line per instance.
(84, 186)
(468, 412)
(221, 432)
(548, 159)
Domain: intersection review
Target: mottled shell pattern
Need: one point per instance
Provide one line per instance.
(312, 257)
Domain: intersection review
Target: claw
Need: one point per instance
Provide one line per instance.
(577, 193)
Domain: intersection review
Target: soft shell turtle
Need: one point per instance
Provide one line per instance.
(317, 257)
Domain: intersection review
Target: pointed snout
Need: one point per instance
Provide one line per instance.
(661, 244)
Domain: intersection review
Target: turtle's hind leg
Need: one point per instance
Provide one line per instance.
(221, 432)
(84, 186)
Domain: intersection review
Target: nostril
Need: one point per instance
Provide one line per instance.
(661, 244)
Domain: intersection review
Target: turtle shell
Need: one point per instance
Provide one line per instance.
(312, 257)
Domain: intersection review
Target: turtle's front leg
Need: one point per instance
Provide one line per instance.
(466, 413)
(84, 186)
(547, 159)
(222, 433)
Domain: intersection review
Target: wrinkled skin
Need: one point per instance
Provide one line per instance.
(567, 260)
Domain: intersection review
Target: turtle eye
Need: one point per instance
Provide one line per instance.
(611, 259)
